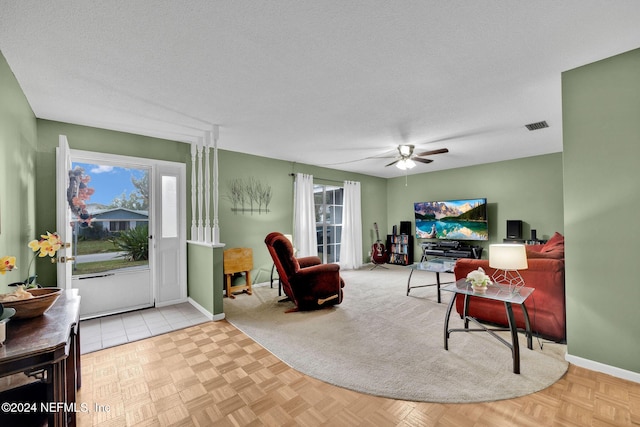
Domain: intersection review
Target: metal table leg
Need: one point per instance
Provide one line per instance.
(527, 325)
(409, 282)
(446, 322)
(272, 269)
(437, 284)
(515, 345)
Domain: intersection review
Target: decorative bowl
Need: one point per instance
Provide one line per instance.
(43, 299)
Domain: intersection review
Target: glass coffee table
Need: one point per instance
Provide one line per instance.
(495, 292)
(434, 265)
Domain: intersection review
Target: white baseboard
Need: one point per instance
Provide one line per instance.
(601, 367)
(204, 311)
(172, 302)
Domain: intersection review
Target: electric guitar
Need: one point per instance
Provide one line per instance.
(378, 252)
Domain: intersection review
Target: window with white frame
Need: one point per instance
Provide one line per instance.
(329, 201)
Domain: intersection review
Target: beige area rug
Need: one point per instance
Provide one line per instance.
(382, 342)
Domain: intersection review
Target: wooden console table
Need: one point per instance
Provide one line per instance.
(46, 347)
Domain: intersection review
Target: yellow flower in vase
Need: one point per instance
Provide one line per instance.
(7, 263)
(48, 245)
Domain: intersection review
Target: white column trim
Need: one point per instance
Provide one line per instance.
(200, 225)
(207, 188)
(194, 227)
(216, 228)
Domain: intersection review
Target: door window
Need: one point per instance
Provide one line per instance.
(116, 235)
(169, 206)
(328, 202)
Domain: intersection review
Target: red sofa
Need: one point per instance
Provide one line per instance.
(546, 306)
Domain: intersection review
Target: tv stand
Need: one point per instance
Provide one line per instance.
(450, 249)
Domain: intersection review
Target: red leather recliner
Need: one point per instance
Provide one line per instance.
(306, 281)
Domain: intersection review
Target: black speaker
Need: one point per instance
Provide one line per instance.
(534, 235)
(514, 229)
(405, 227)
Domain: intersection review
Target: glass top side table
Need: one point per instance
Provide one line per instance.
(495, 292)
(434, 265)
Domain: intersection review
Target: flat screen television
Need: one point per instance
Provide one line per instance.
(464, 219)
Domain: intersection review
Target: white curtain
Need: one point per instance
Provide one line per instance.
(351, 241)
(304, 214)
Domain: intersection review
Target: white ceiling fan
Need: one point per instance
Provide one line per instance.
(407, 159)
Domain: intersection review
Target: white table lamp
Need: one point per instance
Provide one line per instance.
(507, 259)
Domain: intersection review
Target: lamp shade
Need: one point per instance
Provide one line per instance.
(508, 257)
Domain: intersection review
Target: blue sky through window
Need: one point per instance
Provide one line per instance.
(109, 182)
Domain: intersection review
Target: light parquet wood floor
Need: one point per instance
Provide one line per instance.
(214, 375)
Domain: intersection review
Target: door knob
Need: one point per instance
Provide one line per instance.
(62, 259)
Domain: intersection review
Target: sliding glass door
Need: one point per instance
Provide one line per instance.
(328, 200)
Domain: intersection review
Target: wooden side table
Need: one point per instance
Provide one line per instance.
(46, 346)
(237, 260)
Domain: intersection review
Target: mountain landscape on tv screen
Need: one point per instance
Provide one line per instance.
(453, 220)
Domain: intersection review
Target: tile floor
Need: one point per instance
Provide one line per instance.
(109, 331)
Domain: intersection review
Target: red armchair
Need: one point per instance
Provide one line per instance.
(546, 306)
(306, 281)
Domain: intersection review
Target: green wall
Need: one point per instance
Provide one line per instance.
(528, 189)
(18, 143)
(204, 287)
(249, 230)
(601, 125)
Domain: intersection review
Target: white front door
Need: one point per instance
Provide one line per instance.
(169, 238)
(63, 213)
(113, 266)
(112, 280)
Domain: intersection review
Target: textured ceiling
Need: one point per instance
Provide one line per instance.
(330, 83)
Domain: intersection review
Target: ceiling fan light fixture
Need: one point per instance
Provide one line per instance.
(405, 150)
(405, 164)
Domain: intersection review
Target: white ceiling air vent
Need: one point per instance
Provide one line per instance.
(535, 126)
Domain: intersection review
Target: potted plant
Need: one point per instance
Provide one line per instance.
(7, 263)
(47, 245)
(479, 280)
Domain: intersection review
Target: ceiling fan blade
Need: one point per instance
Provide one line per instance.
(392, 163)
(380, 157)
(418, 159)
(432, 152)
